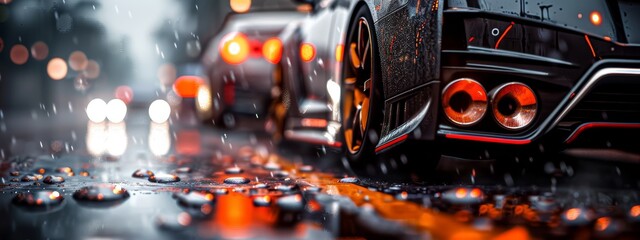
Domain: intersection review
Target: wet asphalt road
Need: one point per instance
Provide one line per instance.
(241, 185)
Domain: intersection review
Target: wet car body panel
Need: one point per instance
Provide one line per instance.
(557, 49)
(407, 36)
(576, 66)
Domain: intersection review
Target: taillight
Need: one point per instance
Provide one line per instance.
(272, 50)
(464, 101)
(187, 86)
(234, 48)
(307, 52)
(514, 105)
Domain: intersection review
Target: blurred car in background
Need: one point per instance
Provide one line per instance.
(241, 63)
(501, 80)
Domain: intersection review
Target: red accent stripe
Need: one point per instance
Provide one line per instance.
(487, 139)
(586, 126)
(392, 142)
(504, 34)
(593, 52)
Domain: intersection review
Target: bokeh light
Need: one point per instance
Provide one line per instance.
(167, 74)
(203, 100)
(596, 18)
(92, 70)
(159, 111)
(96, 110)
(187, 86)
(5, 1)
(240, 6)
(78, 61)
(19, 54)
(117, 139)
(116, 110)
(57, 68)
(39, 50)
(159, 139)
(124, 93)
(1, 44)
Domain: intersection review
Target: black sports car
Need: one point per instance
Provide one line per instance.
(486, 77)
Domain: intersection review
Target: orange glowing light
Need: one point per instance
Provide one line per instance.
(117, 190)
(78, 61)
(475, 193)
(124, 93)
(504, 34)
(635, 211)
(314, 122)
(234, 212)
(586, 38)
(516, 233)
(573, 214)
(57, 68)
(234, 48)
(602, 223)
(596, 18)
(187, 86)
(39, 50)
(19, 54)
(339, 52)
(307, 52)
(54, 195)
(240, 6)
(209, 196)
(272, 50)
(461, 193)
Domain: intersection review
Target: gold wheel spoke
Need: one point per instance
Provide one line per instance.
(353, 55)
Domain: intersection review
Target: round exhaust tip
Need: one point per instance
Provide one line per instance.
(514, 105)
(464, 101)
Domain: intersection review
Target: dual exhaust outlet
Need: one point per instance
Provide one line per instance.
(513, 105)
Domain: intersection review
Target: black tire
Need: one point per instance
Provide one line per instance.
(361, 130)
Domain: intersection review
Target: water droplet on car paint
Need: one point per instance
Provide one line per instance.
(237, 180)
(291, 203)
(220, 191)
(164, 178)
(142, 173)
(39, 199)
(272, 166)
(349, 180)
(306, 168)
(53, 179)
(14, 173)
(31, 177)
(281, 174)
(262, 201)
(102, 195)
(183, 170)
(198, 204)
(233, 170)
